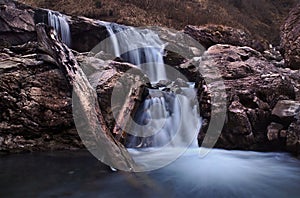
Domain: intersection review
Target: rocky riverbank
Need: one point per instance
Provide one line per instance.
(262, 84)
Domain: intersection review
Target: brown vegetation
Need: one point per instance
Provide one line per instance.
(261, 17)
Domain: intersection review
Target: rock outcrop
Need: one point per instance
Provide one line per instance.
(209, 35)
(120, 89)
(16, 24)
(35, 100)
(286, 113)
(254, 88)
(290, 39)
(86, 33)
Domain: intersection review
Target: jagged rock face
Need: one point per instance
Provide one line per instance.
(86, 33)
(123, 81)
(210, 35)
(286, 113)
(290, 39)
(16, 24)
(253, 87)
(35, 102)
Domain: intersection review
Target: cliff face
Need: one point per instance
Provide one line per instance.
(260, 17)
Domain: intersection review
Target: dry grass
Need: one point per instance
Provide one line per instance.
(261, 17)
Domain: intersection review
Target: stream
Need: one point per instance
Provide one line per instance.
(220, 174)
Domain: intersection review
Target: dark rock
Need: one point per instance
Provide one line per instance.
(86, 33)
(274, 131)
(36, 112)
(173, 59)
(290, 39)
(293, 135)
(16, 25)
(210, 35)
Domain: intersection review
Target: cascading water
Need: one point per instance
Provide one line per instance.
(139, 47)
(161, 120)
(60, 24)
(164, 121)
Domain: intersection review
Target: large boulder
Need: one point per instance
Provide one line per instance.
(86, 33)
(120, 89)
(287, 114)
(290, 39)
(35, 100)
(209, 35)
(16, 24)
(253, 86)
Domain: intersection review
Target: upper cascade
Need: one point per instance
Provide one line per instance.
(61, 25)
(141, 47)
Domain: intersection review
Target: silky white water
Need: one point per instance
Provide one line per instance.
(167, 120)
(61, 25)
(141, 47)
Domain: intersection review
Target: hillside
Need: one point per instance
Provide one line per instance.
(261, 17)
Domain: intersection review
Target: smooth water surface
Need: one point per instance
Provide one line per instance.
(219, 174)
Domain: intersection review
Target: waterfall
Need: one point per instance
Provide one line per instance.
(60, 24)
(141, 47)
(164, 119)
(167, 120)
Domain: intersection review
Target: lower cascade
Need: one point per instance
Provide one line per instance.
(59, 22)
(167, 119)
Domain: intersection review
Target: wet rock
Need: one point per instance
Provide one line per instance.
(162, 83)
(210, 35)
(274, 131)
(181, 83)
(293, 135)
(286, 109)
(290, 39)
(17, 26)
